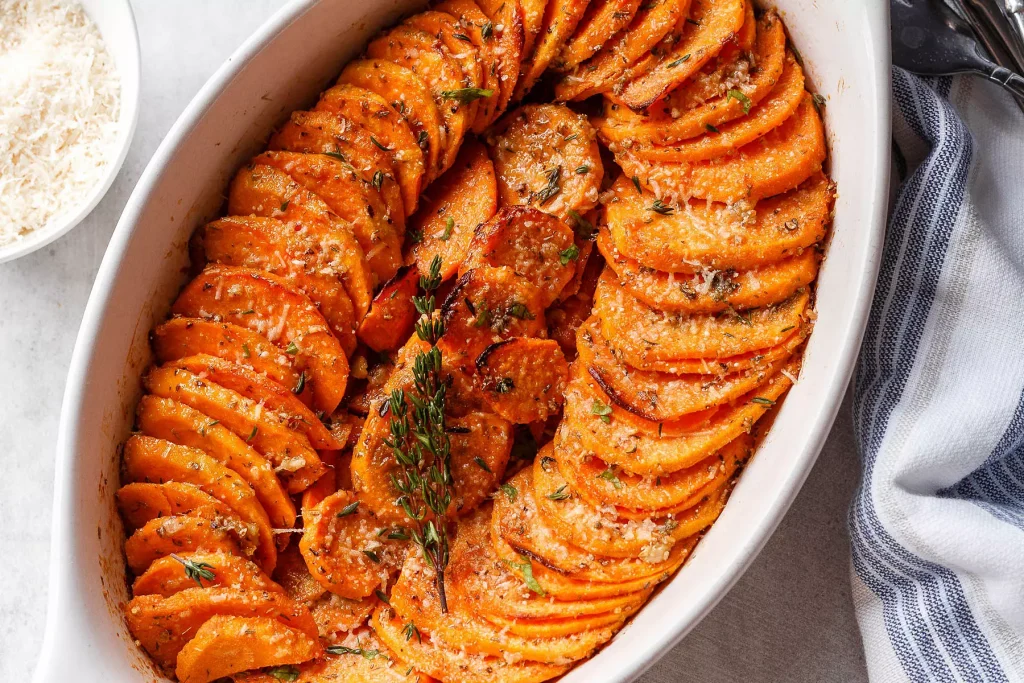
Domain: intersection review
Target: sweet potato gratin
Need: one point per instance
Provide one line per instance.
(480, 347)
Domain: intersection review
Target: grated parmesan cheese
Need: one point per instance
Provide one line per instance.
(58, 114)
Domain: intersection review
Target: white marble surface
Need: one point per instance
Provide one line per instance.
(789, 618)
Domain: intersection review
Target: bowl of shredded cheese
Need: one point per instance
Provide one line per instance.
(69, 74)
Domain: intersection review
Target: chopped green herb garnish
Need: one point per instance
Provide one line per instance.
(466, 95)
(553, 187)
(710, 128)
(520, 311)
(292, 349)
(609, 476)
(676, 62)
(602, 410)
(196, 571)
(762, 401)
(378, 180)
(382, 596)
(510, 491)
(349, 509)
(245, 350)
(584, 228)
(410, 630)
(342, 650)
(526, 569)
(379, 145)
(741, 98)
(582, 170)
(570, 253)
(560, 494)
(301, 384)
(482, 465)
(285, 673)
(487, 30)
(374, 557)
(636, 184)
(252, 434)
(448, 227)
(661, 207)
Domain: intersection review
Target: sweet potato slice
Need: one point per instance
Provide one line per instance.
(702, 233)
(710, 26)
(289, 451)
(648, 339)
(293, 576)
(508, 24)
(554, 628)
(448, 663)
(391, 317)
(226, 645)
(335, 615)
(148, 459)
(171, 574)
(637, 450)
(267, 305)
(267, 191)
(709, 292)
(560, 20)
(600, 23)
(688, 110)
(480, 447)
(483, 584)
(141, 502)
(472, 23)
(163, 625)
(274, 246)
(533, 19)
(180, 337)
(346, 547)
(161, 536)
(344, 191)
(764, 117)
(547, 156)
(603, 533)
(324, 486)
(371, 111)
(364, 660)
(561, 587)
(523, 379)
(415, 598)
(272, 396)
(600, 483)
(661, 397)
(408, 95)
(425, 56)
(655, 22)
(178, 423)
(522, 527)
(486, 306)
(325, 133)
(535, 245)
(444, 27)
(776, 163)
(465, 196)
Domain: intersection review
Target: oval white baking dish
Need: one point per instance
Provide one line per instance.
(285, 65)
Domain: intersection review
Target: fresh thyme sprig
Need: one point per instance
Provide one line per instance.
(420, 441)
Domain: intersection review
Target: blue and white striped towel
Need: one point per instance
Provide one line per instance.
(937, 525)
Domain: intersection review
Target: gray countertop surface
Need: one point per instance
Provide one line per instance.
(790, 618)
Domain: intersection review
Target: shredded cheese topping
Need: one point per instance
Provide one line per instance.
(58, 112)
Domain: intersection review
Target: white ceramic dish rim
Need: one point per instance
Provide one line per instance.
(653, 645)
(122, 43)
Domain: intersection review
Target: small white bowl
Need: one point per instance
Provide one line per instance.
(116, 23)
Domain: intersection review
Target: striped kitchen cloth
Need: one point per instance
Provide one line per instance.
(937, 525)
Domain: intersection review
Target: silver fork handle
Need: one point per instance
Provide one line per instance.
(1008, 79)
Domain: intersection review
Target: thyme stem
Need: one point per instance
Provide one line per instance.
(420, 441)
